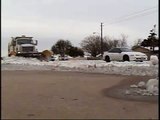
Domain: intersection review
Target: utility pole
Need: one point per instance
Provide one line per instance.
(102, 39)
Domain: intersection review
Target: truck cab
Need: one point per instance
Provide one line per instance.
(22, 46)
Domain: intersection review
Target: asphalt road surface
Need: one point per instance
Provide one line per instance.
(68, 95)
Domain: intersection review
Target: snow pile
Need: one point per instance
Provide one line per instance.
(149, 88)
(97, 66)
(152, 86)
(154, 59)
(23, 61)
(141, 84)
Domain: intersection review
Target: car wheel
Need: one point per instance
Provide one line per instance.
(107, 59)
(125, 58)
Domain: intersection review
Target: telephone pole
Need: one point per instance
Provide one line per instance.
(102, 39)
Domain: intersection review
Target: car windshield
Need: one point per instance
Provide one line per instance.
(125, 50)
(24, 41)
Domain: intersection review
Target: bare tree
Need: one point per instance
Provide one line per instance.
(92, 44)
(122, 42)
(138, 42)
(109, 43)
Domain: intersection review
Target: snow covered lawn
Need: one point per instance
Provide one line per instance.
(145, 68)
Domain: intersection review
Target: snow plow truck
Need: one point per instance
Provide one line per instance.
(27, 47)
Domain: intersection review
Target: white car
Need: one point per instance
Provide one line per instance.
(52, 58)
(65, 57)
(123, 54)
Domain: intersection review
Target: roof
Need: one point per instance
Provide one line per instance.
(135, 47)
(145, 48)
(23, 37)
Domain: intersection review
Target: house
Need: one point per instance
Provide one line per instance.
(156, 50)
(146, 50)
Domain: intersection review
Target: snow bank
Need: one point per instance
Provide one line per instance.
(96, 66)
(154, 59)
(149, 88)
(152, 86)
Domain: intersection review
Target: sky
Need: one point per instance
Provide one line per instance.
(50, 20)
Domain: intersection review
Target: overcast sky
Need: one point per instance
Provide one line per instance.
(50, 20)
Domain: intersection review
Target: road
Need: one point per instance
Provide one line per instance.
(66, 95)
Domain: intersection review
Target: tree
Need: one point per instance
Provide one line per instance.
(92, 44)
(152, 41)
(75, 51)
(137, 43)
(61, 47)
(108, 43)
(122, 41)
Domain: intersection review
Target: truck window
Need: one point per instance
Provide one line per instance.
(24, 41)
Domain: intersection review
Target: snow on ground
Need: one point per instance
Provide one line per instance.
(145, 68)
(149, 88)
(154, 59)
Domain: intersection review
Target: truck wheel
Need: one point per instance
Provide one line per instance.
(107, 59)
(125, 58)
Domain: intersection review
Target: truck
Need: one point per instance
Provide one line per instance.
(26, 47)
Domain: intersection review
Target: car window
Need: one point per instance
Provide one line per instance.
(125, 50)
(115, 50)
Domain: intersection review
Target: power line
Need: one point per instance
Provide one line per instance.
(135, 14)
(126, 19)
